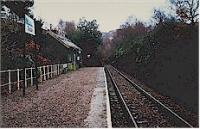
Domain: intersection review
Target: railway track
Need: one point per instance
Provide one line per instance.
(132, 106)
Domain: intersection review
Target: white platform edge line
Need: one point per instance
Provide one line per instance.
(109, 123)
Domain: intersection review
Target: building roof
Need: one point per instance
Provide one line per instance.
(64, 41)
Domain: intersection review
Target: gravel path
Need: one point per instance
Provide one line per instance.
(60, 102)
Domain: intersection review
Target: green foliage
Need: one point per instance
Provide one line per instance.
(38, 25)
(75, 36)
(20, 7)
(13, 39)
(85, 31)
(119, 52)
(88, 37)
(131, 39)
(89, 30)
(144, 46)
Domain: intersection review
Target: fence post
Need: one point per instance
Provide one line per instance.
(31, 76)
(40, 76)
(74, 62)
(58, 69)
(54, 70)
(18, 79)
(48, 71)
(61, 68)
(44, 73)
(9, 81)
(25, 79)
(55, 66)
(51, 71)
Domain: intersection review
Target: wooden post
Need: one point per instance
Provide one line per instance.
(9, 81)
(55, 66)
(51, 71)
(74, 68)
(18, 81)
(40, 73)
(58, 69)
(54, 70)
(36, 77)
(48, 71)
(44, 73)
(25, 78)
(31, 76)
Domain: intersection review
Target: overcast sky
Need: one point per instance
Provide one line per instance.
(110, 14)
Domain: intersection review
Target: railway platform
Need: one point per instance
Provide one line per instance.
(75, 99)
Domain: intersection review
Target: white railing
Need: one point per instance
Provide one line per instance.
(12, 78)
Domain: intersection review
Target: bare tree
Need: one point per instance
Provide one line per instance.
(61, 24)
(69, 27)
(159, 15)
(186, 10)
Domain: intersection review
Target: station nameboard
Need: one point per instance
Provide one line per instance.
(29, 25)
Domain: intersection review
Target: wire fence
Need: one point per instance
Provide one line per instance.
(12, 80)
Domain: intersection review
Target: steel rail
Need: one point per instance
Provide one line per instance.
(121, 97)
(157, 101)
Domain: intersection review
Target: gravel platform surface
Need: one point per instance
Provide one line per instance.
(98, 114)
(64, 101)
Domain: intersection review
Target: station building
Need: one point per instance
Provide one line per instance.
(63, 50)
